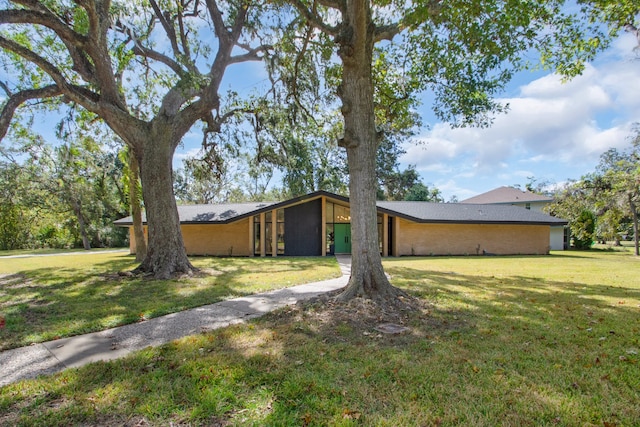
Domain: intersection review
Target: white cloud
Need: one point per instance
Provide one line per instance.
(179, 156)
(552, 128)
(549, 120)
(451, 187)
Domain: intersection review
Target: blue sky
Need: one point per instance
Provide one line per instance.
(552, 132)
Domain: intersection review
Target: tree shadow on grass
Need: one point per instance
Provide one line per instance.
(45, 304)
(487, 351)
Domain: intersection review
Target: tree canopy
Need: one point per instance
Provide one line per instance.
(462, 52)
(149, 75)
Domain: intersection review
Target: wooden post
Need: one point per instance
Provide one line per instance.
(274, 233)
(252, 247)
(396, 233)
(385, 235)
(263, 245)
(323, 231)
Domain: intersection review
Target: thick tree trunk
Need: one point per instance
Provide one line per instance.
(77, 210)
(136, 209)
(360, 140)
(166, 254)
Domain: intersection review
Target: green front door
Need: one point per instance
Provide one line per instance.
(342, 238)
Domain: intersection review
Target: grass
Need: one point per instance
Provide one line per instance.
(507, 341)
(45, 298)
(50, 251)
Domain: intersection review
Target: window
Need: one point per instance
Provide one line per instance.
(330, 239)
(280, 230)
(342, 215)
(268, 233)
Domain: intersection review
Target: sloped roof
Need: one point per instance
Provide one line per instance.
(203, 214)
(462, 213)
(507, 195)
(424, 212)
(229, 212)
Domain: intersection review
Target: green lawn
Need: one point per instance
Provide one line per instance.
(506, 341)
(36, 252)
(44, 298)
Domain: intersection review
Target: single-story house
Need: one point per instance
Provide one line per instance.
(558, 234)
(319, 224)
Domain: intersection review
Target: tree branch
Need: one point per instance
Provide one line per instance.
(74, 42)
(39, 61)
(79, 94)
(238, 24)
(19, 98)
(218, 21)
(335, 4)
(386, 32)
(140, 50)
(184, 40)
(251, 55)
(46, 19)
(168, 28)
(314, 19)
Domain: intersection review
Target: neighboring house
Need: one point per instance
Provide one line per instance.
(319, 224)
(528, 200)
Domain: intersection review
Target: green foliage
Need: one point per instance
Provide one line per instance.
(611, 193)
(617, 186)
(62, 196)
(422, 193)
(396, 184)
(569, 203)
(614, 14)
(583, 230)
(14, 220)
(465, 52)
(13, 230)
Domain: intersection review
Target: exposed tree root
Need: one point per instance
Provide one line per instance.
(370, 312)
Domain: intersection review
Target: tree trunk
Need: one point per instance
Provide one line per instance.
(77, 210)
(360, 140)
(136, 210)
(166, 254)
(636, 238)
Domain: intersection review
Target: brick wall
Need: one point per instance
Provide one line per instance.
(471, 239)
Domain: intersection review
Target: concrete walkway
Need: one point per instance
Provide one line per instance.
(54, 356)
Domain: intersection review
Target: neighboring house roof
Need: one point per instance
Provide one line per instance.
(507, 195)
(424, 212)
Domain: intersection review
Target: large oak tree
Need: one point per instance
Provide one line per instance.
(149, 69)
(463, 52)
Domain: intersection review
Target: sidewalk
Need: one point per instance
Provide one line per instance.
(54, 356)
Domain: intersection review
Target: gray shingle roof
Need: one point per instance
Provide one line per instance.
(218, 213)
(507, 195)
(468, 213)
(198, 214)
(424, 212)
